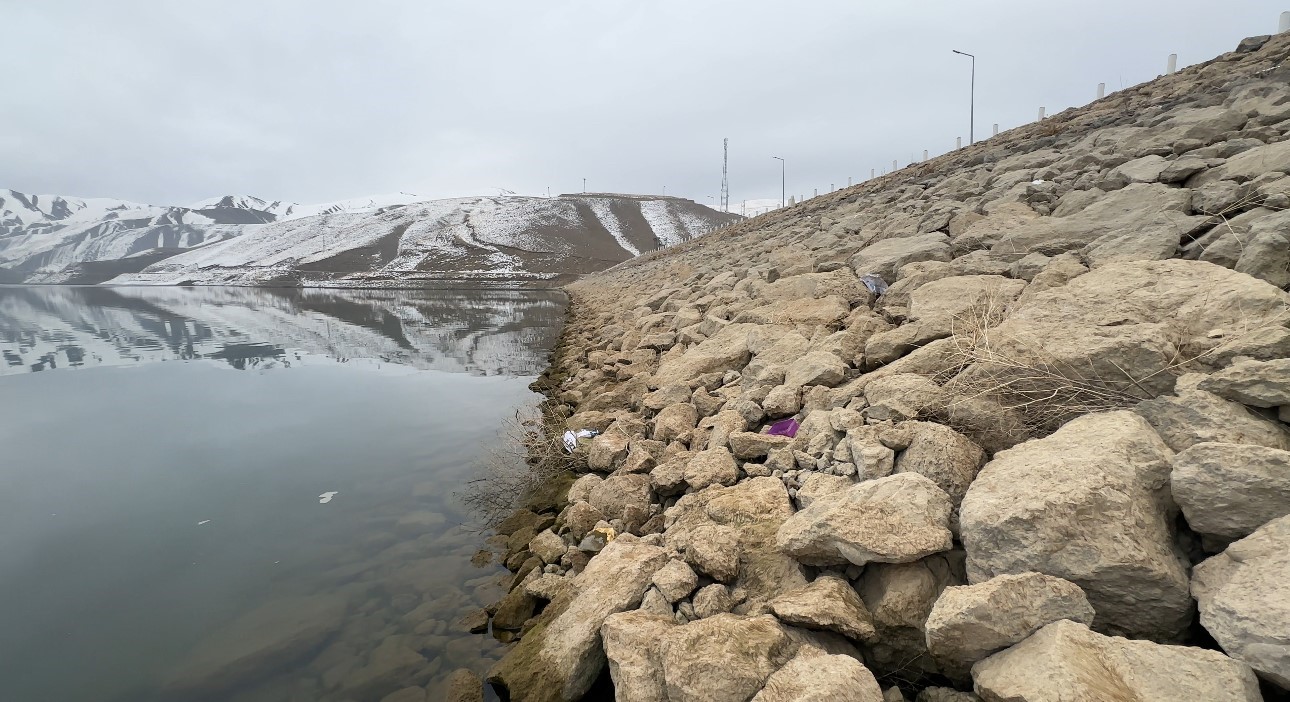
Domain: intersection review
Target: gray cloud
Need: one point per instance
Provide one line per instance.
(170, 102)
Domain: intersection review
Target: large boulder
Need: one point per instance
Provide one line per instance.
(1141, 222)
(1244, 598)
(938, 305)
(617, 495)
(1066, 662)
(1251, 382)
(1089, 504)
(885, 257)
(726, 350)
(828, 603)
(900, 596)
(1194, 416)
(1117, 332)
(751, 512)
(675, 421)
(714, 466)
(635, 662)
(942, 455)
(815, 368)
(970, 622)
(1229, 490)
(815, 676)
(722, 658)
(257, 643)
(561, 655)
(896, 519)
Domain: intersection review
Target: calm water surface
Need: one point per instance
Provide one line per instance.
(164, 453)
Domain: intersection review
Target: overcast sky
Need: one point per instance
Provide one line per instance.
(170, 102)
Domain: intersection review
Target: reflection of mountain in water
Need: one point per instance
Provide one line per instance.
(477, 331)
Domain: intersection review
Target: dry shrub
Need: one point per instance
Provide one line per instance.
(528, 454)
(1017, 372)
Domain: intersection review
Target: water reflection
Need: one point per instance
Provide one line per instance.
(161, 532)
(484, 332)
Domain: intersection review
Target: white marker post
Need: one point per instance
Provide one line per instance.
(1101, 90)
(848, 181)
(1173, 65)
(1041, 113)
(924, 154)
(958, 143)
(871, 173)
(894, 167)
(1284, 24)
(996, 129)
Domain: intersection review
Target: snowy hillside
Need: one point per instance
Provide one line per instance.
(383, 240)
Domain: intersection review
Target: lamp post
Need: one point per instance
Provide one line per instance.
(971, 98)
(783, 171)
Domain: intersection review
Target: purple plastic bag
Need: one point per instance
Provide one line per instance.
(785, 427)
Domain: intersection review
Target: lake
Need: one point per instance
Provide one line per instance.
(250, 494)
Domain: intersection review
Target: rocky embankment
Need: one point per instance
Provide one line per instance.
(1050, 462)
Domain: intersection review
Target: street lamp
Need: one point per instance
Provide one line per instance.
(783, 170)
(971, 98)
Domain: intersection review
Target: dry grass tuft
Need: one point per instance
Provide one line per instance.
(529, 454)
(1017, 371)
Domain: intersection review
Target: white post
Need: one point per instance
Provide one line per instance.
(894, 167)
(848, 181)
(924, 154)
(1101, 90)
(815, 192)
(871, 173)
(1173, 64)
(958, 142)
(996, 129)
(1284, 25)
(831, 187)
(1041, 113)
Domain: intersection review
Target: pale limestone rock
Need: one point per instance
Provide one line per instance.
(561, 656)
(675, 580)
(1089, 504)
(1244, 598)
(814, 677)
(714, 466)
(711, 600)
(1066, 661)
(725, 658)
(828, 603)
(970, 622)
(943, 455)
(1195, 416)
(1229, 490)
(675, 421)
(754, 510)
(635, 663)
(896, 519)
(1254, 383)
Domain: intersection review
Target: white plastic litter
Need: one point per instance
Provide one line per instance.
(326, 497)
(571, 438)
(204, 521)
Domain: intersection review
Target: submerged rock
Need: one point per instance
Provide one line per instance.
(256, 644)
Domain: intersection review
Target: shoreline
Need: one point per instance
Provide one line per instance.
(838, 556)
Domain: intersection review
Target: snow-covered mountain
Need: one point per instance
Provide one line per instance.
(384, 240)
